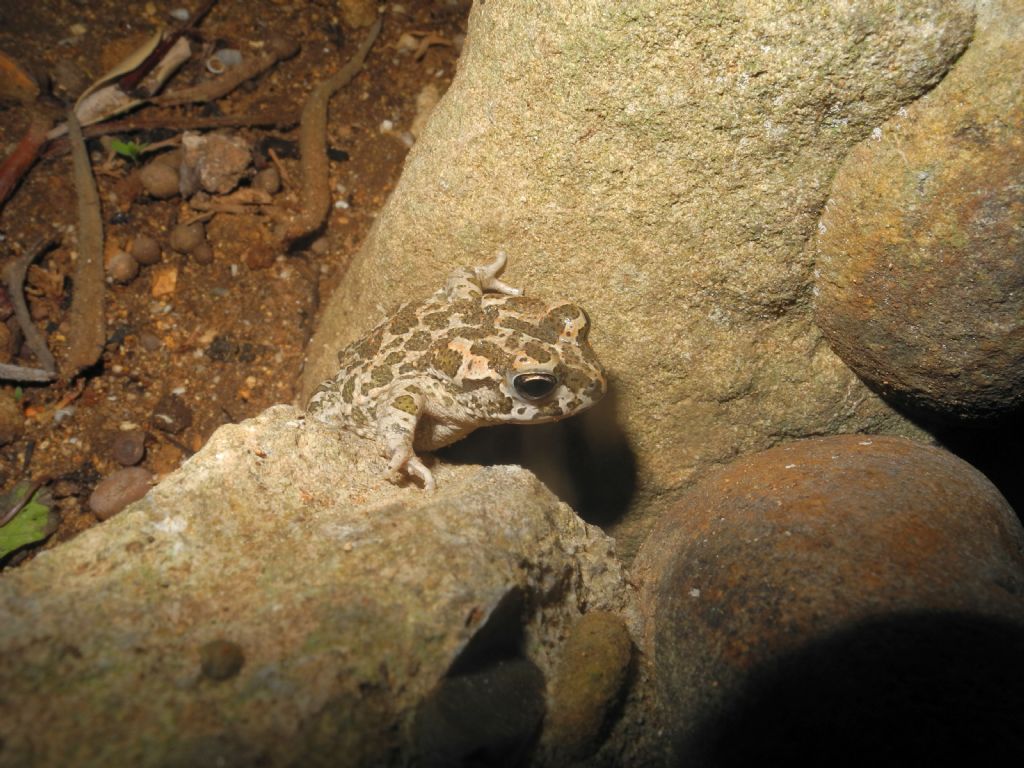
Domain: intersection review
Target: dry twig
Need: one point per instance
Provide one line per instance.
(14, 278)
(277, 50)
(88, 326)
(23, 157)
(315, 188)
(59, 147)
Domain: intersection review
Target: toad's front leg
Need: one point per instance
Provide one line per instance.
(397, 416)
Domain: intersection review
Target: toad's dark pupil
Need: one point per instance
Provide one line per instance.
(535, 386)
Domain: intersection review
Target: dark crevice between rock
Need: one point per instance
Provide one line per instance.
(488, 708)
(586, 460)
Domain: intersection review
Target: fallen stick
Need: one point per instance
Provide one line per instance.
(10, 372)
(14, 278)
(315, 193)
(60, 147)
(23, 157)
(88, 325)
(279, 49)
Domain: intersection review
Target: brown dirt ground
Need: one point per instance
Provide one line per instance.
(228, 341)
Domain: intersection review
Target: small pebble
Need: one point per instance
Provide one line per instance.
(219, 160)
(63, 414)
(185, 238)
(172, 415)
(203, 253)
(159, 180)
(150, 341)
(171, 158)
(268, 180)
(68, 79)
(129, 447)
(12, 420)
(118, 490)
(122, 267)
(180, 14)
(146, 250)
(221, 659)
(165, 281)
(407, 43)
(320, 246)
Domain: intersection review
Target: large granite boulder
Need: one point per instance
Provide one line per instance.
(920, 282)
(277, 602)
(664, 164)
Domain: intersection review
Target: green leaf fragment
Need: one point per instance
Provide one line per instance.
(130, 149)
(32, 524)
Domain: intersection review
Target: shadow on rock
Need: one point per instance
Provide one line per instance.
(586, 461)
(905, 690)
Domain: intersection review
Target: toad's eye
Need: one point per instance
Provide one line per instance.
(534, 386)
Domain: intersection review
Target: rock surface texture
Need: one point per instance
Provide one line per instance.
(921, 249)
(274, 602)
(838, 601)
(663, 164)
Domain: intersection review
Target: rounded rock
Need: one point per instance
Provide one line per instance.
(268, 180)
(129, 447)
(145, 250)
(589, 683)
(159, 179)
(118, 490)
(202, 254)
(186, 238)
(865, 563)
(920, 252)
(122, 267)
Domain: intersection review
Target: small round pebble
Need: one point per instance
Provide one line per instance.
(268, 180)
(129, 447)
(159, 180)
(146, 250)
(221, 659)
(150, 341)
(203, 254)
(172, 415)
(172, 158)
(185, 238)
(118, 490)
(122, 267)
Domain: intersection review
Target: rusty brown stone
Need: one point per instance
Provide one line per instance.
(920, 255)
(841, 562)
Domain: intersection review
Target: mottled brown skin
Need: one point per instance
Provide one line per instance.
(475, 353)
